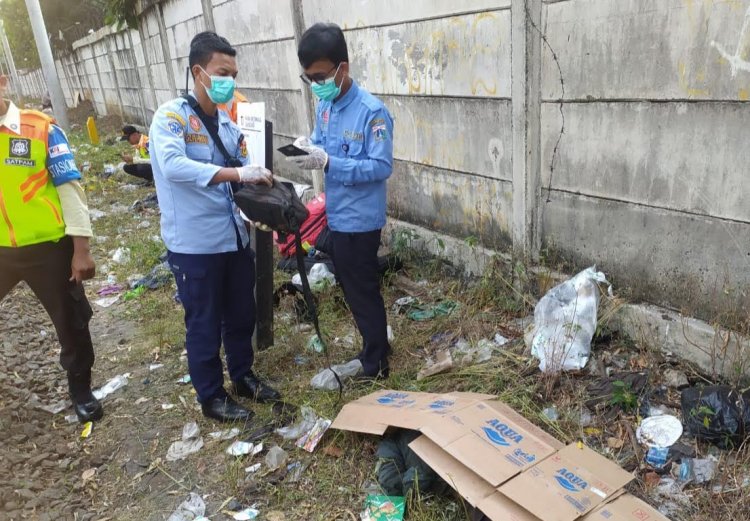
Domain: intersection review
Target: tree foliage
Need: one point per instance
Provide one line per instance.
(66, 22)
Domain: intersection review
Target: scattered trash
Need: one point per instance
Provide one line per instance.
(565, 322)
(383, 508)
(615, 443)
(696, 470)
(160, 275)
(71, 418)
(443, 309)
(621, 391)
(326, 380)
(141, 400)
(303, 425)
(400, 470)
(113, 385)
(240, 448)
(191, 442)
(109, 169)
(189, 510)
(110, 289)
(134, 293)
(87, 428)
(246, 514)
(55, 408)
(314, 344)
(501, 340)
(154, 367)
(717, 414)
(675, 379)
(143, 225)
(657, 457)
(106, 302)
(404, 303)
(310, 440)
(276, 458)
(95, 214)
(551, 413)
(389, 332)
(333, 451)
(320, 277)
(442, 363)
(300, 360)
(252, 468)
(121, 255)
(294, 471)
(659, 431)
(167, 406)
(585, 418)
(184, 380)
(225, 435)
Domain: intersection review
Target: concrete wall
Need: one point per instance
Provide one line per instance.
(646, 181)
(651, 173)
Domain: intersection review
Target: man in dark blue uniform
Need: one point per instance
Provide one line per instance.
(353, 143)
(206, 238)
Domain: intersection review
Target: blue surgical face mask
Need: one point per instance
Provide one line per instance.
(221, 89)
(328, 91)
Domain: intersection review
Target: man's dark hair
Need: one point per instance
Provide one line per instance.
(127, 131)
(204, 45)
(322, 42)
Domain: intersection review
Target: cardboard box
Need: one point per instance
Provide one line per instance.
(491, 439)
(470, 486)
(567, 485)
(374, 413)
(626, 508)
(499, 508)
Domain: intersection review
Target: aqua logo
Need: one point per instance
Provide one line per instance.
(501, 434)
(441, 404)
(570, 481)
(392, 397)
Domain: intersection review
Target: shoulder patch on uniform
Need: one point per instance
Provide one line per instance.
(379, 130)
(195, 123)
(175, 128)
(243, 148)
(175, 116)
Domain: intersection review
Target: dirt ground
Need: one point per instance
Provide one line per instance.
(120, 471)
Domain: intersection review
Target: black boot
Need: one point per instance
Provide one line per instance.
(225, 409)
(250, 386)
(85, 404)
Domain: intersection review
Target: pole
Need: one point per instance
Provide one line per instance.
(264, 269)
(9, 61)
(57, 97)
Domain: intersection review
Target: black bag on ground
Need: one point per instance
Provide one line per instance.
(277, 206)
(718, 414)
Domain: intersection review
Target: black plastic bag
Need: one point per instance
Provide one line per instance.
(718, 414)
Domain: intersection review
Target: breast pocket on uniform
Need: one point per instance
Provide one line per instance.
(197, 148)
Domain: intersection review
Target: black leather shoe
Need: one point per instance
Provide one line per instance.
(226, 410)
(85, 404)
(250, 386)
(88, 408)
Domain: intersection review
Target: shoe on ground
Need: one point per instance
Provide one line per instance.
(85, 404)
(250, 386)
(225, 409)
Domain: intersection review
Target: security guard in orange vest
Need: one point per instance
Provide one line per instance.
(44, 237)
(230, 107)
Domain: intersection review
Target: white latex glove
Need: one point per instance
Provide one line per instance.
(255, 175)
(316, 158)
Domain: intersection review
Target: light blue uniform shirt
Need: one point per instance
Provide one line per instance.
(196, 217)
(357, 133)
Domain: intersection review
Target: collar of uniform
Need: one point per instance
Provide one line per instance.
(12, 119)
(347, 98)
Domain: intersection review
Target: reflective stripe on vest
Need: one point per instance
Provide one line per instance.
(30, 210)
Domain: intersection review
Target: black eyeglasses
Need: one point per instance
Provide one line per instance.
(320, 79)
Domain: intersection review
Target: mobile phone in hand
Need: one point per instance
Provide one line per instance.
(291, 150)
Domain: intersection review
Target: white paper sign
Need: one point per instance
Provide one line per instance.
(251, 118)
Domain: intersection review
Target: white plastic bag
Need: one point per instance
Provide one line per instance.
(320, 277)
(565, 322)
(326, 380)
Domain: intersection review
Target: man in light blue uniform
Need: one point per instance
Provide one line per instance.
(353, 143)
(206, 239)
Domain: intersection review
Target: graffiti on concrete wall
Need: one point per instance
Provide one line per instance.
(737, 60)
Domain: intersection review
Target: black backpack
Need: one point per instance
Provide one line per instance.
(277, 206)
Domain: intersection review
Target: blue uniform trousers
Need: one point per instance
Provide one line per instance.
(217, 292)
(355, 257)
